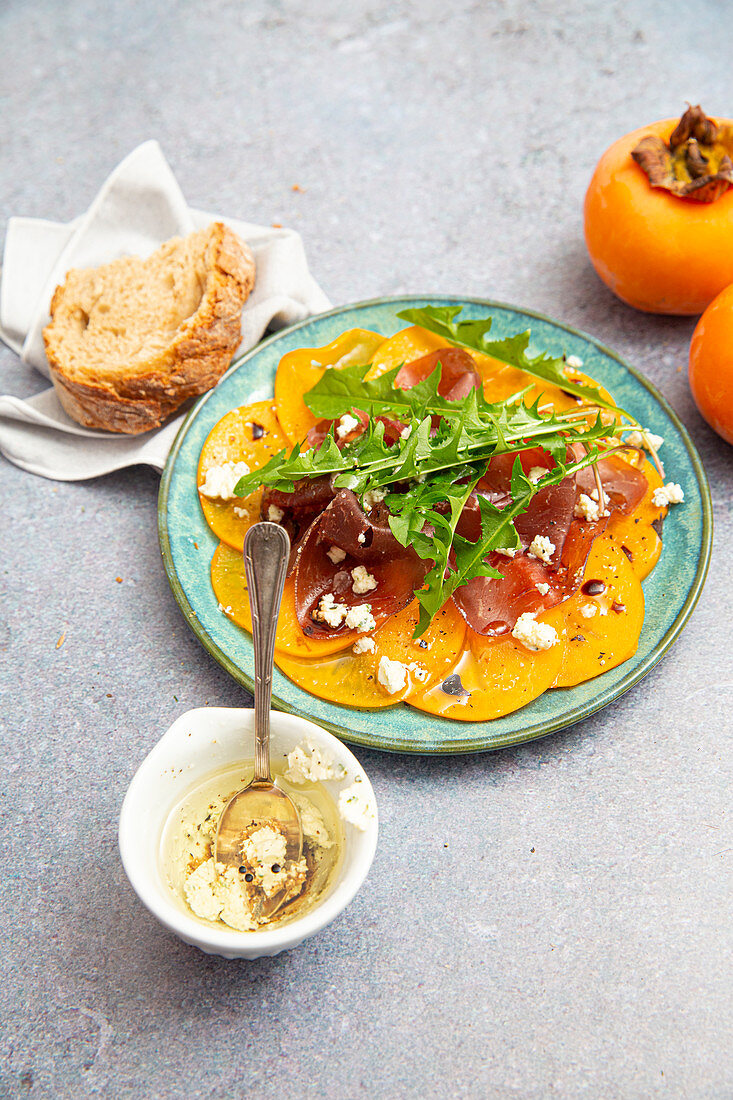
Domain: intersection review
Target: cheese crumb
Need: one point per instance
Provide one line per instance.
(242, 513)
(372, 497)
(406, 432)
(542, 588)
(354, 805)
(361, 538)
(336, 554)
(363, 645)
(392, 675)
(648, 440)
(542, 548)
(671, 493)
(587, 508)
(535, 636)
(505, 552)
(360, 618)
(536, 473)
(274, 514)
(363, 580)
(220, 481)
(419, 671)
(574, 362)
(346, 424)
(308, 763)
(330, 612)
(588, 610)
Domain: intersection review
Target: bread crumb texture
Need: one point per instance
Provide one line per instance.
(131, 341)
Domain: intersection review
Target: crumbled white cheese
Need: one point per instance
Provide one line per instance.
(311, 821)
(574, 362)
(535, 636)
(225, 610)
(363, 645)
(542, 548)
(354, 805)
(363, 580)
(330, 612)
(209, 895)
(360, 618)
(588, 610)
(505, 552)
(392, 675)
(372, 497)
(274, 514)
(648, 440)
(263, 850)
(542, 588)
(242, 513)
(671, 493)
(220, 481)
(336, 554)
(419, 671)
(308, 763)
(587, 508)
(406, 432)
(346, 424)
(536, 473)
(361, 538)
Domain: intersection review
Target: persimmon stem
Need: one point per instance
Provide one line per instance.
(696, 164)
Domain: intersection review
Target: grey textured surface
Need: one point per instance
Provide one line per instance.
(551, 921)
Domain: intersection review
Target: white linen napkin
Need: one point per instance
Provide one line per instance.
(139, 206)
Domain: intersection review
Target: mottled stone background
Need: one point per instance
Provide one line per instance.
(573, 938)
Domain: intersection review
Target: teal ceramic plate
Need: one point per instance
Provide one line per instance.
(671, 590)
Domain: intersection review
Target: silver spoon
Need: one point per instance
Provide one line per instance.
(266, 553)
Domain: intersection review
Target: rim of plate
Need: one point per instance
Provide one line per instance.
(480, 744)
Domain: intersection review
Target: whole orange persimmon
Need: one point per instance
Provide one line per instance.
(659, 214)
(711, 364)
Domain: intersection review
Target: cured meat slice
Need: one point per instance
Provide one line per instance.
(297, 510)
(623, 484)
(550, 512)
(458, 377)
(364, 540)
(492, 607)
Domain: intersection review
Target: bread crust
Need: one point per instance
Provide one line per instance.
(194, 361)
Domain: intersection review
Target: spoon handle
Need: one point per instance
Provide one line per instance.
(266, 552)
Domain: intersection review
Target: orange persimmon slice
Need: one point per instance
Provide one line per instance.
(603, 619)
(299, 370)
(405, 346)
(352, 679)
(493, 676)
(636, 533)
(230, 588)
(248, 434)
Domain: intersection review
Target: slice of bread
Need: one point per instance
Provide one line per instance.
(130, 341)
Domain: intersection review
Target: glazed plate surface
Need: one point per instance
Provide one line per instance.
(671, 590)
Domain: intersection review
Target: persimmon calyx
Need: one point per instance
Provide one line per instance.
(698, 162)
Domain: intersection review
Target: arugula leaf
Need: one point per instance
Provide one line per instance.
(470, 558)
(472, 335)
(369, 463)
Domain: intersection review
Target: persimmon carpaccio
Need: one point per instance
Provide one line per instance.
(659, 223)
(711, 364)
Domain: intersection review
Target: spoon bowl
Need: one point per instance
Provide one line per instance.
(262, 802)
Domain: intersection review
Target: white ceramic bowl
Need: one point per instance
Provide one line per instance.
(203, 741)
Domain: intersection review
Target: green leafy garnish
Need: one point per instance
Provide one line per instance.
(473, 335)
(470, 559)
(429, 473)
